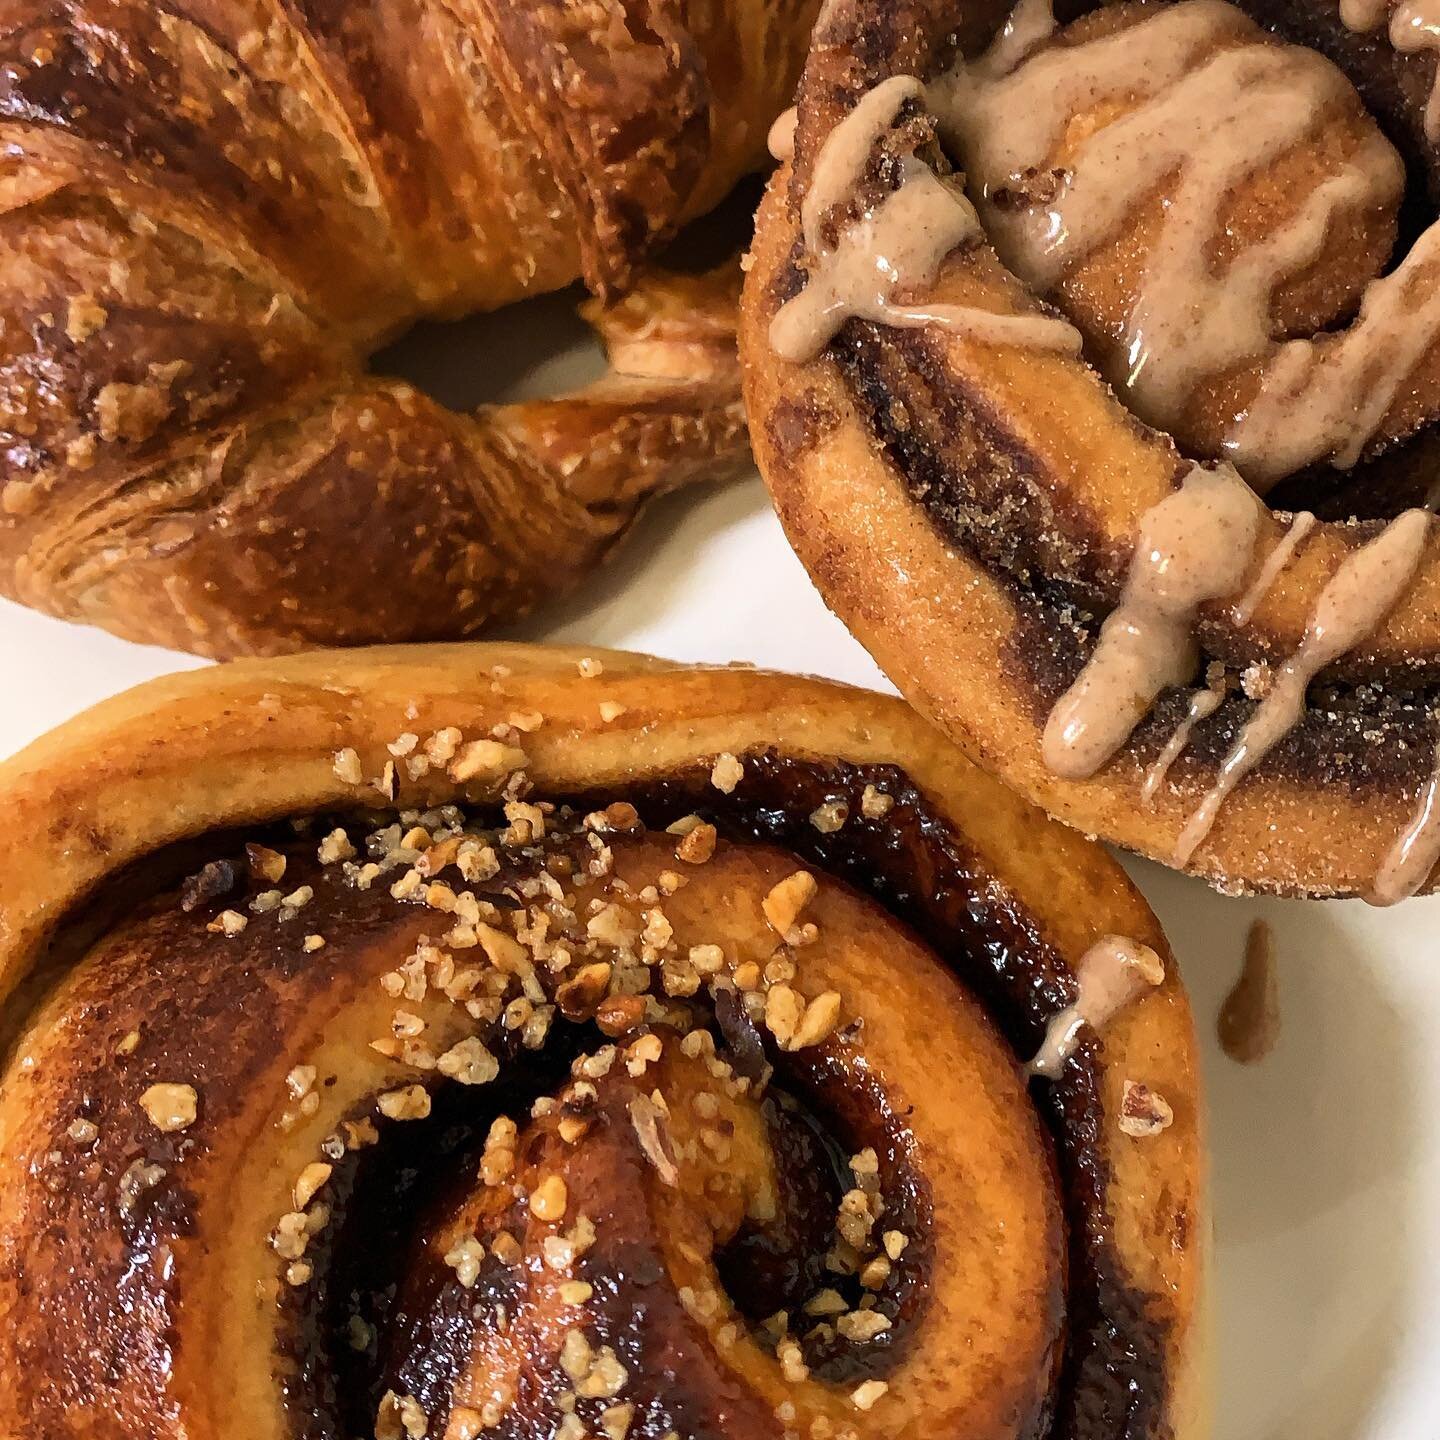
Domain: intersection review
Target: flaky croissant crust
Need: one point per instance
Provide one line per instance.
(212, 214)
(251, 742)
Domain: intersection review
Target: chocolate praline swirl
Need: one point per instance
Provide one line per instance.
(1092, 366)
(497, 1040)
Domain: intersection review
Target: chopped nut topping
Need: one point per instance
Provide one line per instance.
(488, 760)
(1143, 1111)
(611, 710)
(334, 847)
(410, 1103)
(139, 1177)
(865, 1395)
(82, 1131)
(264, 863)
(648, 1120)
(830, 817)
(400, 1417)
(787, 900)
(228, 922)
(862, 1325)
(469, 1062)
(819, 1020)
(548, 1199)
(875, 804)
(465, 1259)
(465, 1423)
(170, 1107)
(314, 942)
(590, 668)
(697, 845)
(347, 767)
(726, 773)
(894, 1242)
(311, 1180)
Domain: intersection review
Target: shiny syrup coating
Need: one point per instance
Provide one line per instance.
(217, 1011)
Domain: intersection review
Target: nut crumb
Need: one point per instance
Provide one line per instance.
(170, 1107)
(787, 900)
(726, 773)
(875, 804)
(864, 1396)
(1143, 1111)
(347, 766)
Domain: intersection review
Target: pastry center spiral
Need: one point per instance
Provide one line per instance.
(553, 1126)
(1201, 199)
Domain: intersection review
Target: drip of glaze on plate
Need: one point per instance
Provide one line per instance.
(1249, 1021)
(1355, 600)
(1209, 117)
(1111, 973)
(1414, 25)
(1194, 546)
(899, 243)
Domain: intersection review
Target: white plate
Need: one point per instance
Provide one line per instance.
(1326, 1156)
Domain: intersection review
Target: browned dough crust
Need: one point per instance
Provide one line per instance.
(970, 515)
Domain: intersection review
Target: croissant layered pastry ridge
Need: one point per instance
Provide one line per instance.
(1091, 361)
(493, 1040)
(213, 215)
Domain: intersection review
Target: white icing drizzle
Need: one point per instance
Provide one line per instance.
(1203, 704)
(1354, 601)
(1414, 25)
(900, 243)
(1029, 25)
(1195, 545)
(1111, 973)
(843, 158)
(1301, 524)
(1211, 121)
(1409, 861)
(781, 139)
(1326, 398)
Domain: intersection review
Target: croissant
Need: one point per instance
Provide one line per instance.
(480, 1040)
(211, 215)
(1122, 469)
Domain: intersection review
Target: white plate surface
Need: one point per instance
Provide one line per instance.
(1326, 1156)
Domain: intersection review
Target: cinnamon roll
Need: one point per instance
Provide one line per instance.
(1093, 360)
(500, 1041)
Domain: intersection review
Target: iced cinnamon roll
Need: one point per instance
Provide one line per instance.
(497, 1041)
(1093, 360)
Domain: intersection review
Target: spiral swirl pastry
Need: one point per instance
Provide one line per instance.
(212, 215)
(1092, 362)
(498, 1041)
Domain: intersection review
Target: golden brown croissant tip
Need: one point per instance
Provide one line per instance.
(192, 438)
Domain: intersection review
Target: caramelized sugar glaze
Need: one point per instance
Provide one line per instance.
(1065, 558)
(529, 1116)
